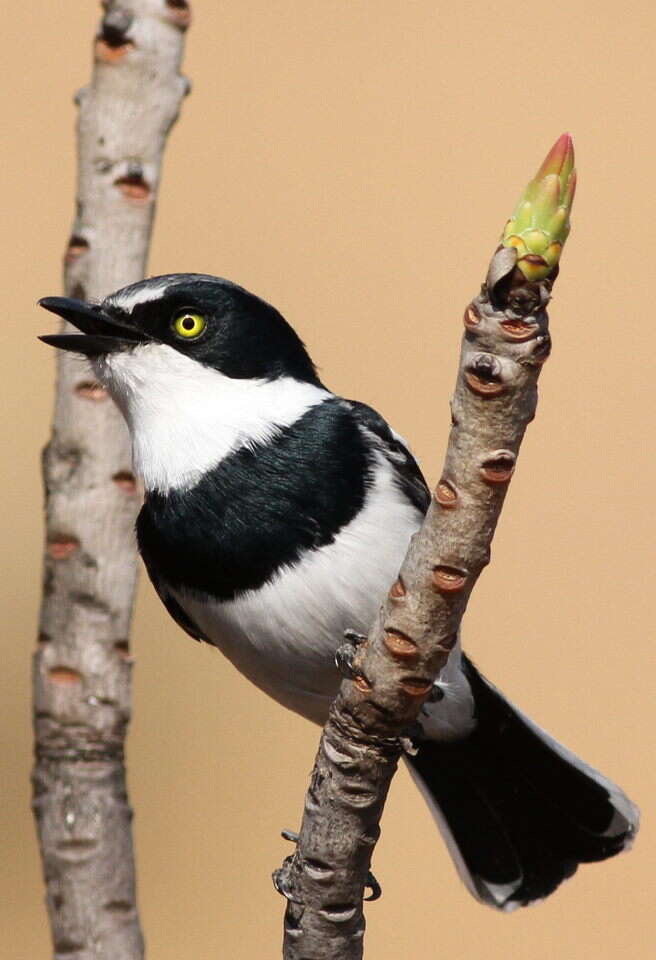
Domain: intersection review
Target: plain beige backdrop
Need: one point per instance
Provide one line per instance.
(353, 163)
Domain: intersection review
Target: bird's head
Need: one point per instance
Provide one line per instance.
(197, 365)
(205, 319)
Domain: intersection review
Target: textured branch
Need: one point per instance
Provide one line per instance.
(506, 340)
(82, 665)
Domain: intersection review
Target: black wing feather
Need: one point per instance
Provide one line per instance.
(406, 469)
(174, 608)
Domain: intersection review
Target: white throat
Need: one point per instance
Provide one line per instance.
(184, 418)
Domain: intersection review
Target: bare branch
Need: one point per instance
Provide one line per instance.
(391, 674)
(82, 665)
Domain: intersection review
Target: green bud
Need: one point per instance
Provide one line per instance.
(540, 225)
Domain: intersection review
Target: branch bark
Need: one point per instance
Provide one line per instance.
(505, 343)
(82, 667)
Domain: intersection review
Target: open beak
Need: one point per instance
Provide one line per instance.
(100, 334)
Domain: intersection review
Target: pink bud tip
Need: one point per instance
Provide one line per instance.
(560, 158)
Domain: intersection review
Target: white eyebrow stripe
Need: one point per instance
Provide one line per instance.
(132, 296)
(148, 291)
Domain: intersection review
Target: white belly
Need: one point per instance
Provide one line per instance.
(284, 635)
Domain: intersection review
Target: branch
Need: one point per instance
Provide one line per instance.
(82, 665)
(391, 674)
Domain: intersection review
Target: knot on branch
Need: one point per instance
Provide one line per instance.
(91, 390)
(77, 246)
(64, 676)
(518, 329)
(448, 579)
(500, 342)
(125, 480)
(115, 25)
(446, 494)
(61, 546)
(400, 645)
(178, 13)
(498, 467)
(483, 375)
(112, 42)
(133, 185)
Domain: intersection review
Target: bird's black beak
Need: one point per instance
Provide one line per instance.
(101, 333)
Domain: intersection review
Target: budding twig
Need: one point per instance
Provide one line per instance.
(505, 343)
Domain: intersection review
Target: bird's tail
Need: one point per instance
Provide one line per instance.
(519, 812)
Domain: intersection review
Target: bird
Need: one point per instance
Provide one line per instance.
(275, 516)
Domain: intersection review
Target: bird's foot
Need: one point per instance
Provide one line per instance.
(411, 739)
(345, 653)
(344, 660)
(281, 880)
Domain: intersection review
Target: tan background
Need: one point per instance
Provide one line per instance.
(354, 162)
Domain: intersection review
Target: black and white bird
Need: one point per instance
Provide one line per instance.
(276, 516)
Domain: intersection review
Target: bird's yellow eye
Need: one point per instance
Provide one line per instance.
(189, 325)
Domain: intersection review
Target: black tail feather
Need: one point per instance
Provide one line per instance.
(520, 811)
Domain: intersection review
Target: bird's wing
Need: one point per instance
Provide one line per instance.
(174, 608)
(406, 469)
